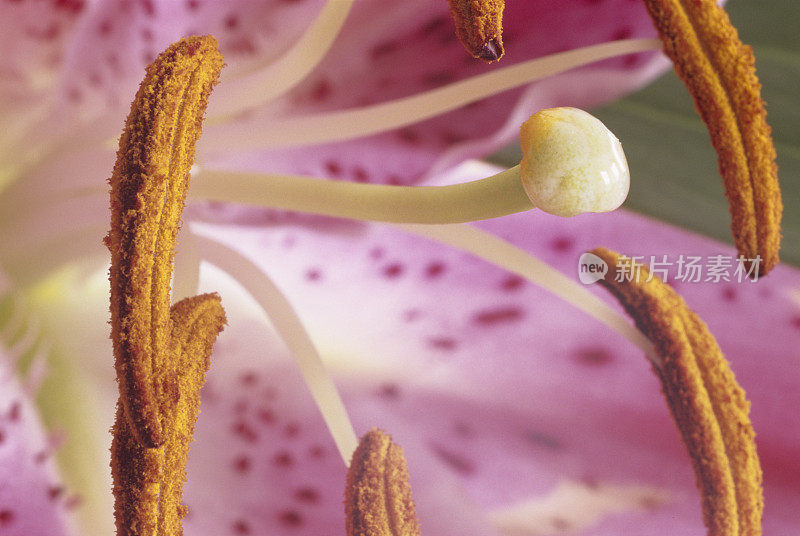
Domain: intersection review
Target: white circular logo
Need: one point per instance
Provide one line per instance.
(591, 268)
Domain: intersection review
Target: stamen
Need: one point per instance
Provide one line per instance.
(348, 124)
(148, 188)
(161, 353)
(378, 495)
(719, 72)
(707, 404)
(148, 482)
(479, 27)
(263, 85)
(290, 328)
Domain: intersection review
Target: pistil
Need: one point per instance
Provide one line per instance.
(571, 164)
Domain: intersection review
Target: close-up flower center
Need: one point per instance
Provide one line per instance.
(249, 165)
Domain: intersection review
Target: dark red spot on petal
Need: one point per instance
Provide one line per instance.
(439, 78)
(292, 429)
(411, 315)
(500, 315)
(104, 28)
(562, 244)
(307, 495)
(242, 464)
(231, 22)
(594, 356)
(266, 416)
(6, 517)
(245, 431)
(317, 451)
(15, 412)
(241, 45)
(560, 524)
(511, 283)
(283, 459)
(333, 167)
(148, 7)
(382, 49)
(314, 274)
(54, 492)
(452, 137)
(249, 378)
(72, 6)
(408, 136)
(463, 429)
(192, 4)
(290, 518)
(389, 390)
(543, 440)
(360, 174)
(434, 270)
(447, 344)
(796, 322)
(393, 270)
(241, 527)
(48, 33)
(649, 502)
(74, 94)
(95, 80)
(434, 25)
(728, 294)
(321, 91)
(622, 33)
(456, 461)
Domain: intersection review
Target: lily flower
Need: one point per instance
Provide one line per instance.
(445, 351)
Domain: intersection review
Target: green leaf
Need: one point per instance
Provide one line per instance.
(674, 174)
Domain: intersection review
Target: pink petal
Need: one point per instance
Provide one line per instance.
(101, 54)
(501, 392)
(32, 500)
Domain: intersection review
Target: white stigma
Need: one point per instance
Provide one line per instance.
(571, 163)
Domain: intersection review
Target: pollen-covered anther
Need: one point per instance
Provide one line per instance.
(707, 404)
(161, 352)
(719, 71)
(571, 163)
(378, 495)
(148, 189)
(479, 27)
